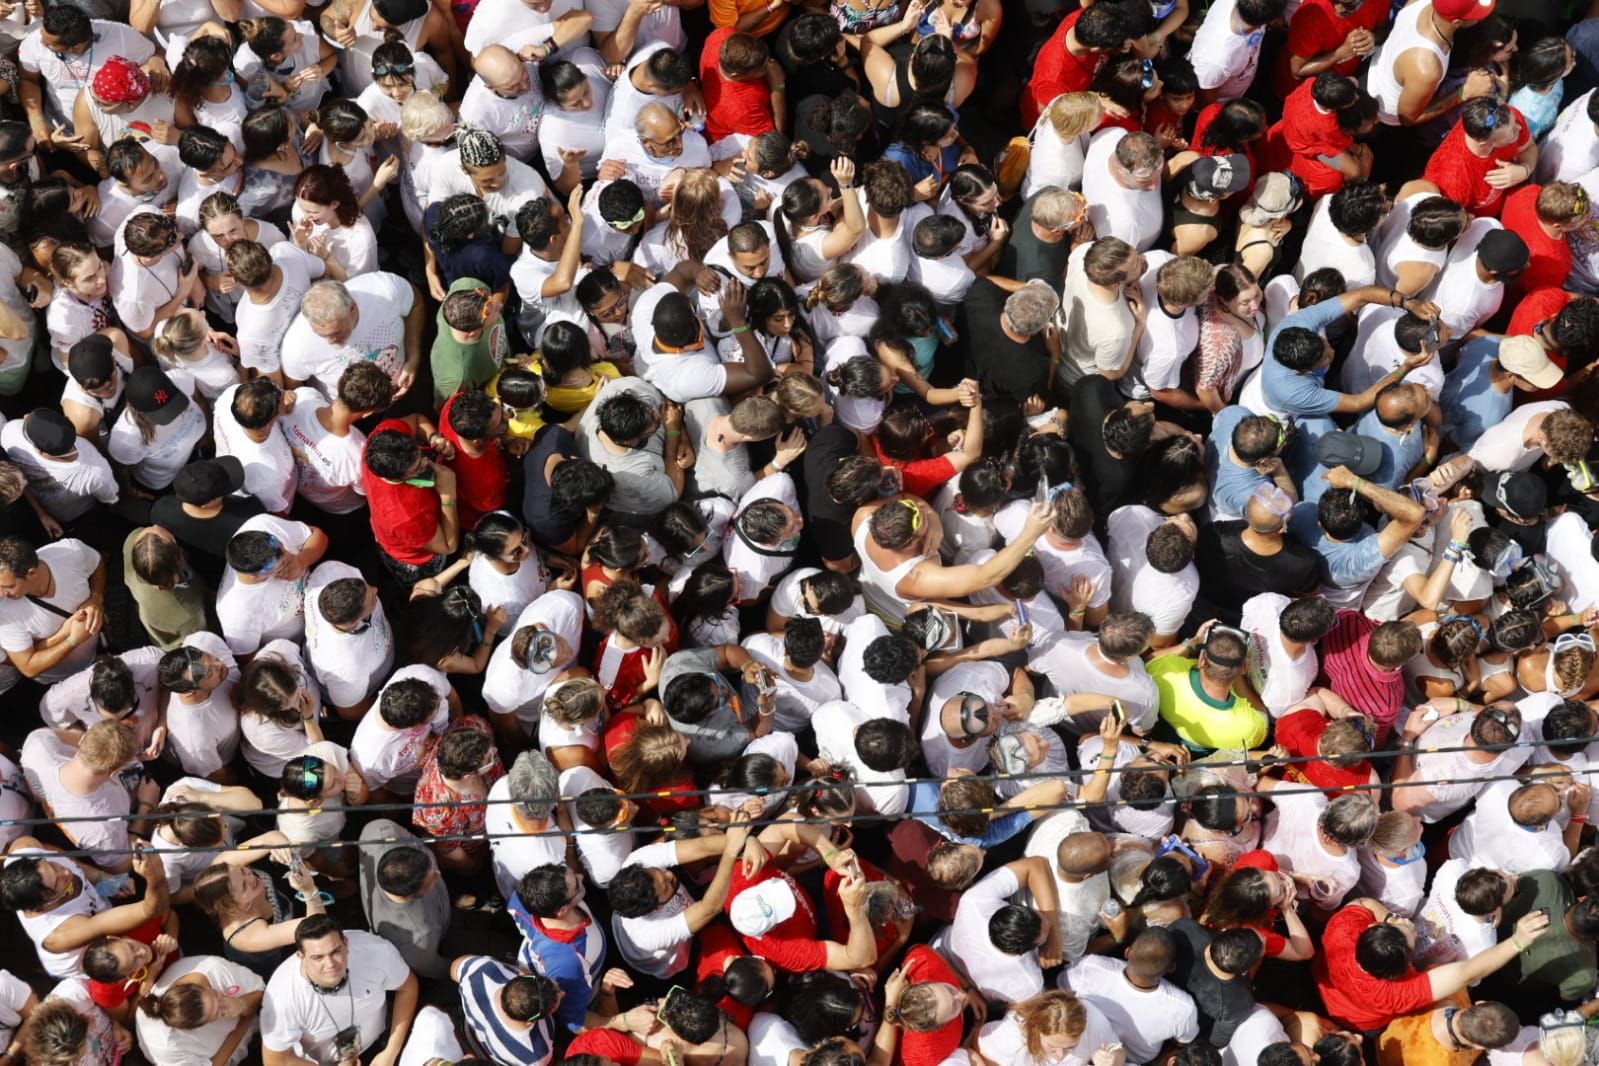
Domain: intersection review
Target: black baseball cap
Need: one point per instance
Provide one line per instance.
(92, 360)
(49, 431)
(152, 393)
(1519, 492)
(209, 479)
(1362, 455)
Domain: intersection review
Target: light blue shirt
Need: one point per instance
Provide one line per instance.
(1345, 564)
(1231, 484)
(1400, 453)
(924, 806)
(1470, 402)
(1292, 393)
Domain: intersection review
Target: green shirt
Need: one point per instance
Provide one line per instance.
(461, 365)
(168, 616)
(1555, 969)
(1199, 721)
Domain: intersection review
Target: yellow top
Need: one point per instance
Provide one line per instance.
(1201, 722)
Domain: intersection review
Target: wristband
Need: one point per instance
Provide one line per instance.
(1516, 942)
(745, 328)
(674, 432)
(1459, 545)
(72, 642)
(1579, 821)
(446, 503)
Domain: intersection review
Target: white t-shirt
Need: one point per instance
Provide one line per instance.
(627, 100)
(512, 591)
(262, 326)
(1143, 1019)
(1224, 59)
(68, 704)
(66, 488)
(1571, 147)
(659, 943)
(137, 290)
(156, 462)
(1069, 669)
(1003, 978)
(252, 614)
(772, 1040)
(1078, 916)
(44, 753)
(1165, 598)
(1095, 332)
(511, 688)
(267, 744)
(582, 129)
(1281, 679)
(205, 735)
(515, 855)
(755, 570)
(392, 758)
(196, 1047)
(432, 1037)
(14, 995)
(1326, 247)
(885, 701)
(602, 853)
(1291, 835)
(1448, 775)
(72, 564)
(329, 467)
(986, 679)
(294, 1014)
(514, 24)
(269, 471)
(1135, 215)
(1061, 564)
(349, 665)
(1254, 1034)
(514, 120)
(1569, 545)
(796, 700)
(835, 724)
(1464, 300)
(1444, 932)
(522, 183)
(1490, 837)
(1377, 354)
(382, 301)
(1501, 446)
(87, 903)
(1167, 341)
(1400, 888)
(63, 76)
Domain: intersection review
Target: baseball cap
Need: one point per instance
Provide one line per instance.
(761, 908)
(209, 479)
(1219, 175)
(91, 360)
(1525, 358)
(1276, 196)
(1517, 491)
(1362, 455)
(398, 12)
(49, 431)
(1503, 252)
(1465, 10)
(152, 393)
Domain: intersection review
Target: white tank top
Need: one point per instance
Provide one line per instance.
(878, 585)
(1406, 35)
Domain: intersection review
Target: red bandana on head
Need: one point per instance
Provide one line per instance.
(120, 81)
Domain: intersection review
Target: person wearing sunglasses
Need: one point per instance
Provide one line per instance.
(1485, 155)
(1449, 750)
(201, 723)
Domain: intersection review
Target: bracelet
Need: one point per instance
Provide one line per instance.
(446, 503)
(1459, 704)
(674, 432)
(1079, 612)
(1460, 544)
(1394, 298)
(1579, 821)
(745, 328)
(72, 642)
(779, 87)
(1517, 942)
(1359, 481)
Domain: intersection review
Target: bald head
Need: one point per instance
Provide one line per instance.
(1400, 404)
(1534, 804)
(502, 71)
(656, 122)
(1083, 854)
(1260, 515)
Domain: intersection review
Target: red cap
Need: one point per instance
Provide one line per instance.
(1463, 10)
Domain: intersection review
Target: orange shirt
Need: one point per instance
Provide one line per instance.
(728, 12)
(1409, 1041)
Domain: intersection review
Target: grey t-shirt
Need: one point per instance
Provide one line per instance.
(721, 735)
(715, 473)
(415, 928)
(642, 488)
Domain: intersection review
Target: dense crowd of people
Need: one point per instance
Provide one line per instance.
(784, 533)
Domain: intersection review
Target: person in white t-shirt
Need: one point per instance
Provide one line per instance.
(1007, 1041)
(1283, 664)
(1460, 916)
(273, 280)
(505, 99)
(1519, 826)
(1079, 858)
(654, 145)
(262, 595)
(1226, 47)
(76, 779)
(149, 276)
(203, 727)
(1152, 557)
(804, 681)
(375, 318)
(57, 903)
(1004, 948)
(246, 426)
(417, 703)
(329, 1000)
(1102, 310)
(325, 442)
(761, 542)
(123, 687)
(602, 819)
(1456, 752)
(52, 606)
(1144, 1008)
(879, 750)
(1076, 572)
(1121, 182)
(550, 24)
(545, 640)
(231, 998)
(479, 165)
(1317, 841)
(65, 476)
(521, 820)
(1338, 231)
(1530, 432)
(1571, 147)
(348, 637)
(1172, 287)
(64, 61)
(158, 430)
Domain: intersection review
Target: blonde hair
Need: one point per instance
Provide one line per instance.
(697, 223)
(839, 287)
(1565, 1046)
(1074, 114)
(54, 1034)
(107, 746)
(571, 703)
(424, 117)
(652, 758)
(1393, 833)
(799, 394)
(1054, 1013)
(180, 337)
(917, 1011)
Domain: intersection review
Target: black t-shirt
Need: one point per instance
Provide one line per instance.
(827, 520)
(1025, 257)
(1003, 367)
(548, 521)
(208, 536)
(1531, 538)
(1107, 479)
(1229, 573)
(806, 79)
(1223, 1004)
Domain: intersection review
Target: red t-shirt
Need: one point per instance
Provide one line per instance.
(404, 517)
(1304, 132)
(838, 919)
(731, 106)
(1300, 732)
(912, 840)
(113, 995)
(606, 1044)
(921, 477)
(923, 964)
(1202, 122)
(481, 483)
(1057, 71)
(624, 687)
(1549, 259)
(1541, 305)
(1157, 115)
(718, 944)
(679, 795)
(1461, 174)
(1276, 943)
(1352, 996)
(793, 945)
(1317, 29)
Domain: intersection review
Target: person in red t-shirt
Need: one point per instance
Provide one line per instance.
(1488, 153)
(411, 496)
(607, 1045)
(738, 981)
(743, 86)
(1312, 141)
(1256, 894)
(1364, 973)
(905, 436)
(932, 1008)
(474, 425)
(122, 968)
(1335, 748)
(1232, 128)
(1068, 60)
(1542, 215)
(1327, 35)
(778, 921)
(1543, 315)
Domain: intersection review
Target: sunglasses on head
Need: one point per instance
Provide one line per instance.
(1146, 76)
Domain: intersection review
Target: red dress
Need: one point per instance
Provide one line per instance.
(1303, 133)
(1461, 174)
(1057, 71)
(731, 106)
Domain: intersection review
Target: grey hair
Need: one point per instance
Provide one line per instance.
(535, 785)
(1054, 207)
(1029, 309)
(1350, 820)
(649, 112)
(326, 302)
(424, 117)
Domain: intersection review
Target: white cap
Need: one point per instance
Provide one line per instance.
(761, 908)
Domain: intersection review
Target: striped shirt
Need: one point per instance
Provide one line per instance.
(1347, 669)
(491, 1034)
